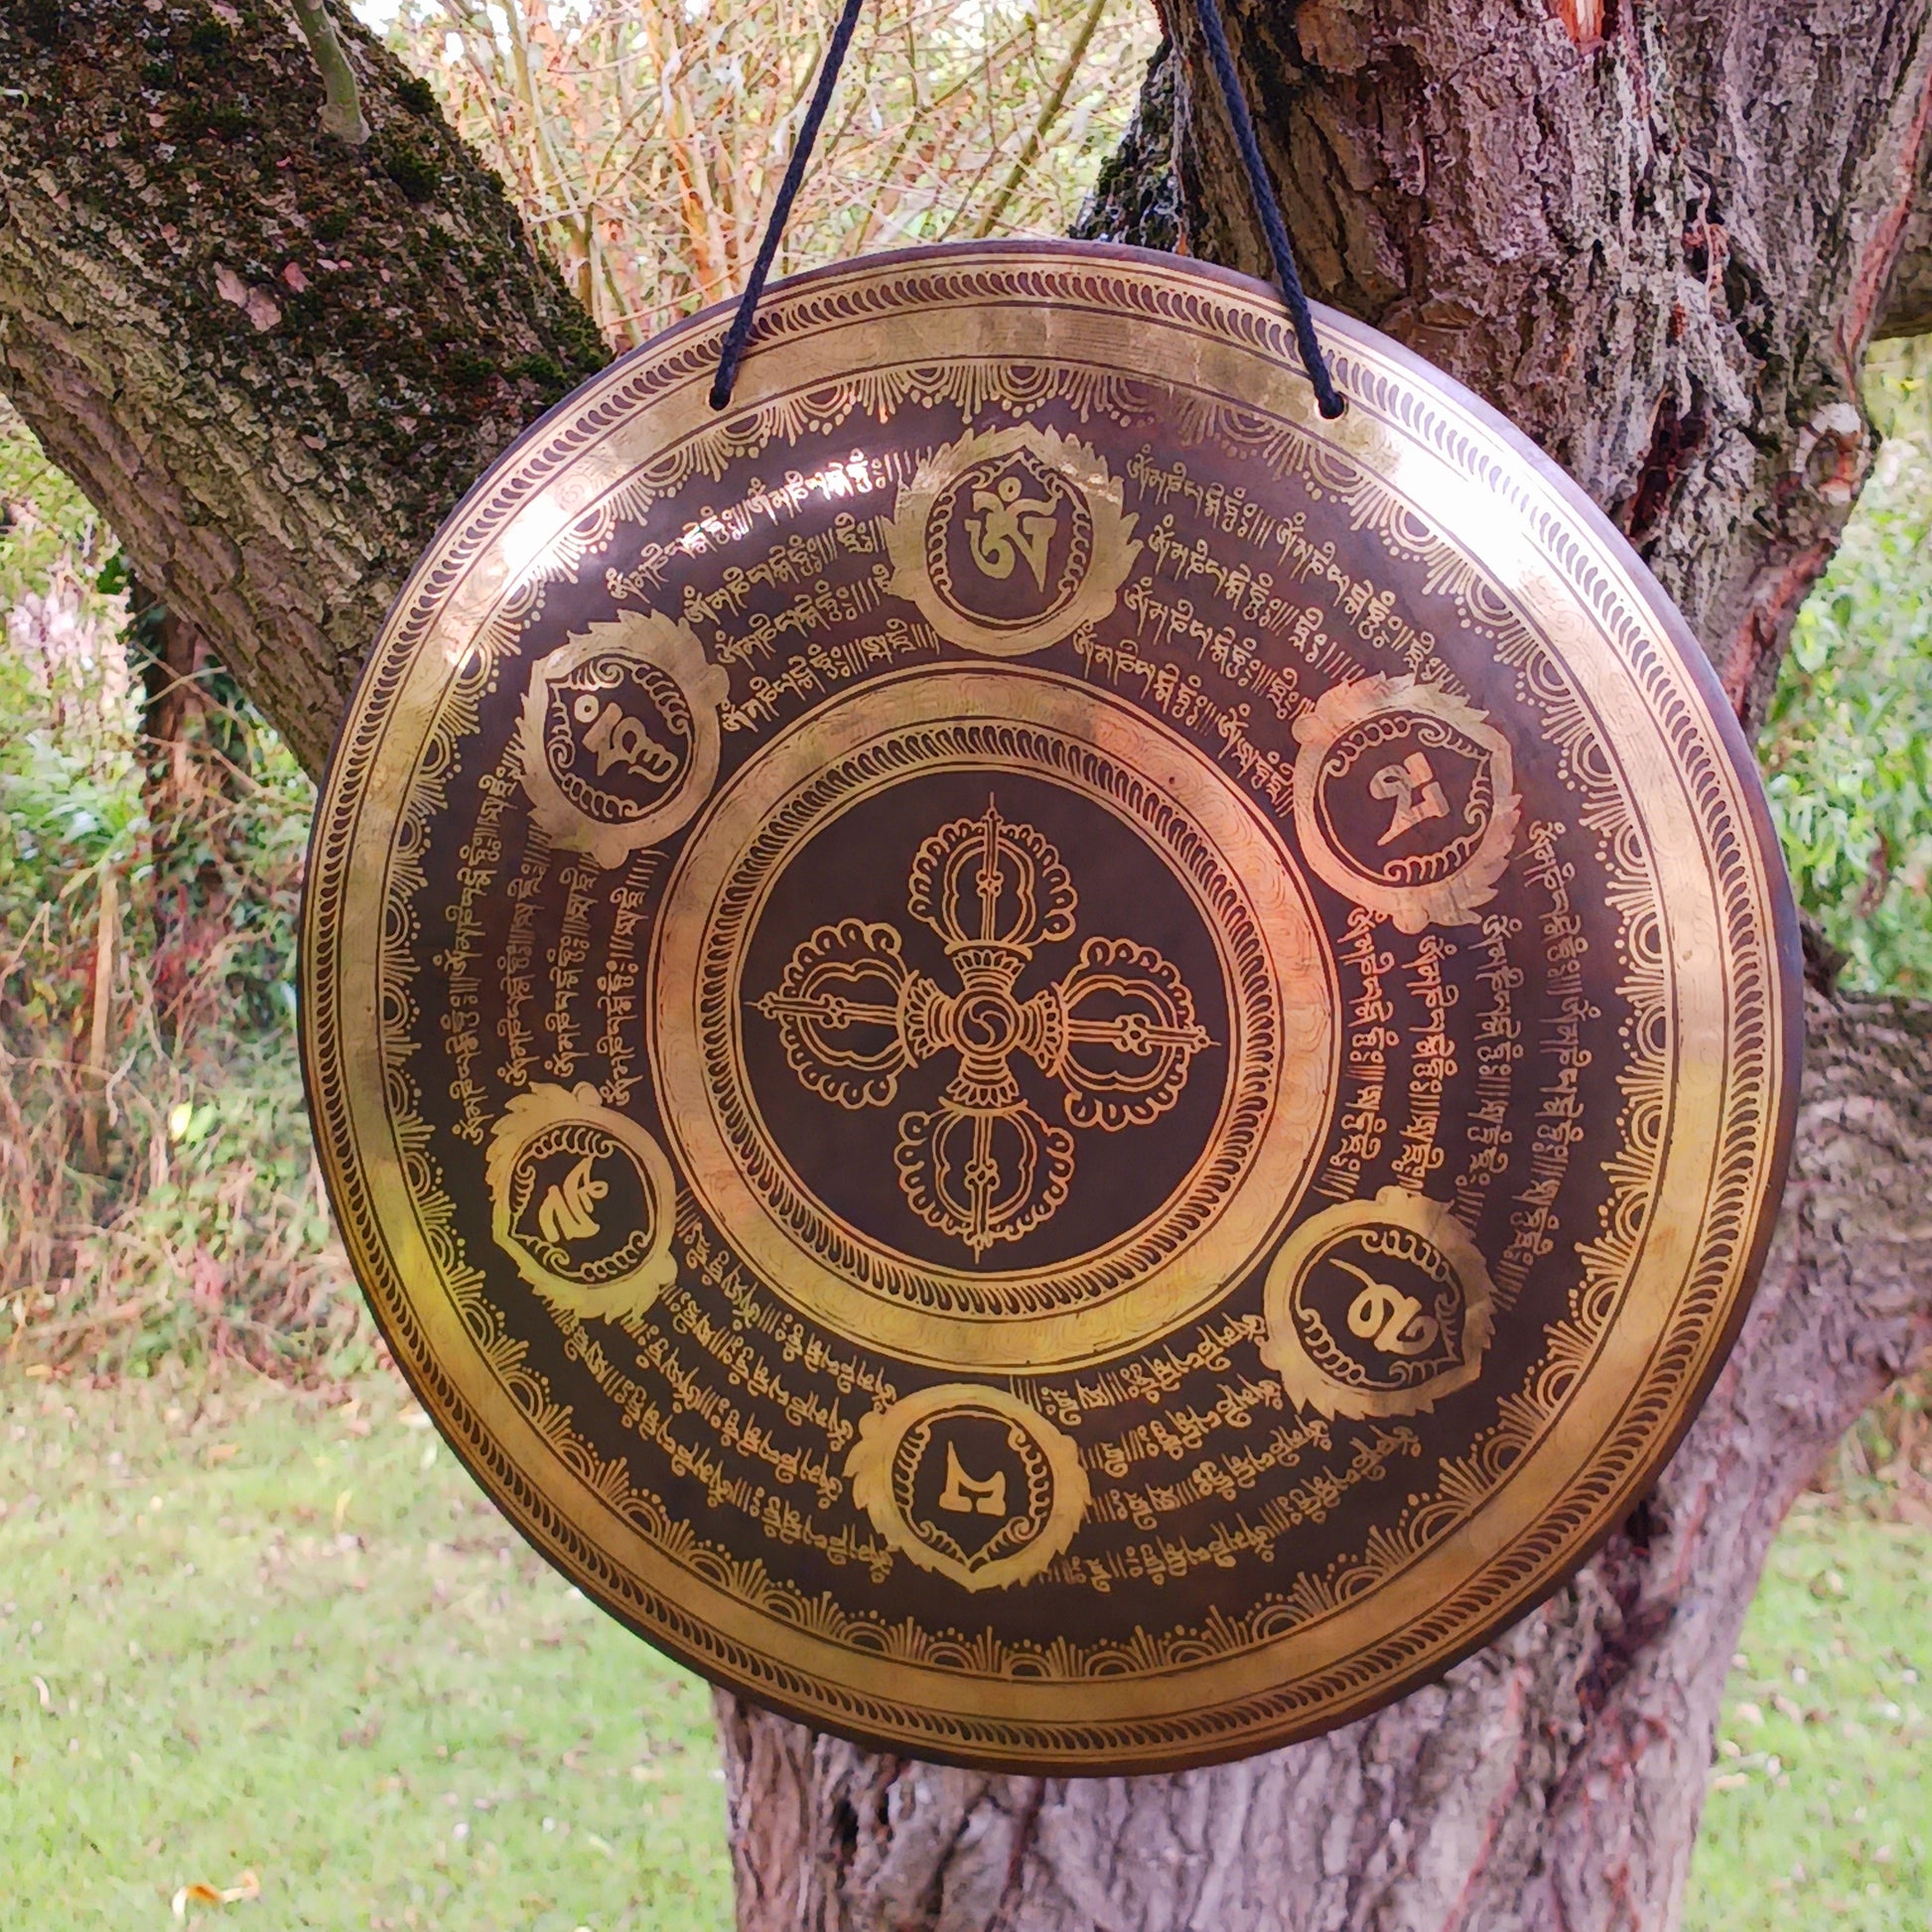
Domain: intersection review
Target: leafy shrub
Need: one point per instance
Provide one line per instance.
(158, 1188)
(1847, 745)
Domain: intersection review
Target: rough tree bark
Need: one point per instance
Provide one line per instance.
(1660, 235)
(1554, 1781)
(274, 359)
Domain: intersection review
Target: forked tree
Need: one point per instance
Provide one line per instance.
(1659, 234)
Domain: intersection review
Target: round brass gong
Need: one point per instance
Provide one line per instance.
(1044, 1060)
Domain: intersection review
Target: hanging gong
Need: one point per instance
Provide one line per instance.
(1041, 1060)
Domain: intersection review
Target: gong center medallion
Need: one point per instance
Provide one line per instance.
(993, 1020)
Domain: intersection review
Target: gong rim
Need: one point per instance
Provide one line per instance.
(1043, 1746)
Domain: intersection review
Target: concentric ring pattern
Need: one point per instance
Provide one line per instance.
(1041, 1059)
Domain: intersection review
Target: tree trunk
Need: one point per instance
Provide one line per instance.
(194, 756)
(1660, 236)
(273, 360)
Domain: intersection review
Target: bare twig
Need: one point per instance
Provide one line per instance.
(643, 138)
(342, 106)
(1050, 111)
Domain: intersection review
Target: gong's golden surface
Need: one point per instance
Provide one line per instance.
(1041, 1059)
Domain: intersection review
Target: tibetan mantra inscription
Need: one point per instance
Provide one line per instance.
(1045, 1061)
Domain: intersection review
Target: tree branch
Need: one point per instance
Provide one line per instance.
(341, 107)
(1665, 273)
(272, 361)
(274, 369)
(1049, 113)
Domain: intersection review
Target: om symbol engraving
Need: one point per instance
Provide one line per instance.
(1117, 1030)
(1011, 526)
(1010, 539)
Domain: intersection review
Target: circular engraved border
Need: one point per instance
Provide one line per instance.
(1281, 994)
(555, 496)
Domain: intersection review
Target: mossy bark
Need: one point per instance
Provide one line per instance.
(273, 359)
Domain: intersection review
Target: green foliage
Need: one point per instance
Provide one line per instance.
(69, 791)
(1847, 745)
(281, 1636)
(158, 1192)
(44, 521)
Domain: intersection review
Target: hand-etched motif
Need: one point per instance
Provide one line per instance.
(1009, 526)
(1405, 800)
(1200, 1015)
(1009, 539)
(1417, 793)
(1378, 1307)
(970, 1482)
(581, 1200)
(1116, 1032)
(619, 735)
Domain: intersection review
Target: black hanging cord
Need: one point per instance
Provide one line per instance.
(1268, 208)
(747, 303)
(1259, 186)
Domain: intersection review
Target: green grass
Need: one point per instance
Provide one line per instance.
(1820, 1809)
(248, 1631)
(245, 1631)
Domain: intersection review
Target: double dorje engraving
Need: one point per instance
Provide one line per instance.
(1116, 1032)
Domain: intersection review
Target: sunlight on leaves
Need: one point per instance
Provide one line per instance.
(1847, 745)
